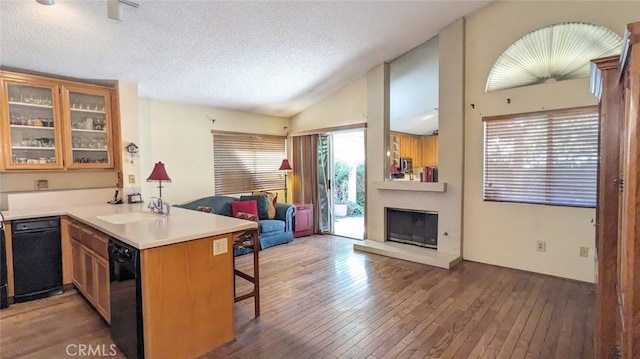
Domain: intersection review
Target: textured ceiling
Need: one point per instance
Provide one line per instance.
(274, 58)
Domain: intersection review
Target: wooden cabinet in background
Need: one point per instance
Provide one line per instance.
(423, 150)
(429, 150)
(303, 220)
(49, 124)
(90, 266)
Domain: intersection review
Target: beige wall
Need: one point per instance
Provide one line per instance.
(502, 233)
(179, 135)
(346, 106)
(129, 132)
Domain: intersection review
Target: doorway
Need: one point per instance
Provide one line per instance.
(341, 175)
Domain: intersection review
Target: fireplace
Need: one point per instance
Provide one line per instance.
(410, 226)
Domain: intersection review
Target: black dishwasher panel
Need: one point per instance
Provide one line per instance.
(37, 258)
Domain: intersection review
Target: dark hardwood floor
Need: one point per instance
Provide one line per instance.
(320, 299)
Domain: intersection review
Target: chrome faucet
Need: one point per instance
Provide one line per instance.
(158, 206)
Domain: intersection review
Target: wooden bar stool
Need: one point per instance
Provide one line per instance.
(248, 239)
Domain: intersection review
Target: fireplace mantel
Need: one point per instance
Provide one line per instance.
(411, 186)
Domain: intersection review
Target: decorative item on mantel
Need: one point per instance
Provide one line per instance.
(159, 174)
(286, 167)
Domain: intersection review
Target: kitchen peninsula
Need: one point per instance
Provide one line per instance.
(186, 269)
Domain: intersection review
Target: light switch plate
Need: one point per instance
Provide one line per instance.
(584, 251)
(220, 246)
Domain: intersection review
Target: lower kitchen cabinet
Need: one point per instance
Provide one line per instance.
(90, 272)
(102, 298)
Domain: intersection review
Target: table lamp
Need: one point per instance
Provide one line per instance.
(285, 166)
(159, 174)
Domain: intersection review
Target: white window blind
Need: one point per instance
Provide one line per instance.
(245, 162)
(543, 157)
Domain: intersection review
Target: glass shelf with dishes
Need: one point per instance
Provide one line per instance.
(48, 123)
(32, 127)
(89, 121)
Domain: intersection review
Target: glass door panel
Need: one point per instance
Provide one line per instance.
(33, 127)
(90, 127)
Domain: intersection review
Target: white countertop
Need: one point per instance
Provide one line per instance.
(181, 226)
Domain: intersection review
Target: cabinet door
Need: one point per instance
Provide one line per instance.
(89, 274)
(77, 265)
(88, 127)
(102, 300)
(30, 124)
(430, 151)
(303, 222)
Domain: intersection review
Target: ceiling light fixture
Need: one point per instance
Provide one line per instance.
(46, 2)
(114, 10)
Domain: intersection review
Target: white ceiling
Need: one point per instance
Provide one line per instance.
(274, 58)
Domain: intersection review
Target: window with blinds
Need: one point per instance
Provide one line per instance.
(246, 162)
(543, 157)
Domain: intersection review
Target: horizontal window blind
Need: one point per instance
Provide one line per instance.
(544, 157)
(245, 162)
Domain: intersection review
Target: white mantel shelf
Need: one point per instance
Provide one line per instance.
(411, 186)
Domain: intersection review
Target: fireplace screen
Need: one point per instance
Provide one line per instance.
(419, 228)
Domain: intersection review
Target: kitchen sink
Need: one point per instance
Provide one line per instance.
(128, 217)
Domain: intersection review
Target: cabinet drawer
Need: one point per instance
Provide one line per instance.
(99, 244)
(95, 241)
(74, 231)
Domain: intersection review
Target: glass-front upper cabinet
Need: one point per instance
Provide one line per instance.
(87, 114)
(31, 127)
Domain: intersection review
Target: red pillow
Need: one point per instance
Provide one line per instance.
(244, 206)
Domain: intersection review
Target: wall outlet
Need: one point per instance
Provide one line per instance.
(541, 246)
(132, 178)
(584, 251)
(220, 246)
(42, 184)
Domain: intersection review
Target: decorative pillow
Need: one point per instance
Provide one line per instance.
(262, 204)
(206, 209)
(272, 199)
(244, 206)
(247, 216)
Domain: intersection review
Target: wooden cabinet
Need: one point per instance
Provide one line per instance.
(617, 329)
(423, 150)
(49, 124)
(102, 298)
(30, 123)
(87, 118)
(77, 264)
(90, 266)
(303, 223)
(429, 151)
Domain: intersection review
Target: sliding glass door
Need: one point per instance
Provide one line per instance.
(341, 183)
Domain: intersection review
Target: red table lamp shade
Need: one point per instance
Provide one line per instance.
(159, 173)
(285, 166)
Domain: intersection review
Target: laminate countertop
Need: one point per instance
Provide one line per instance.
(142, 231)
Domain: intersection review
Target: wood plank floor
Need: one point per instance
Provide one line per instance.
(320, 299)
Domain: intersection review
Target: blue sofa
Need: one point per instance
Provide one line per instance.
(271, 231)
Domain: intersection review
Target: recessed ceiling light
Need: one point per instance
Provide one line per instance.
(46, 2)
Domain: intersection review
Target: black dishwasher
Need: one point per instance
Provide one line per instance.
(127, 330)
(37, 258)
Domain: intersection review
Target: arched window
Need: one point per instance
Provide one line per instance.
(552, 53)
